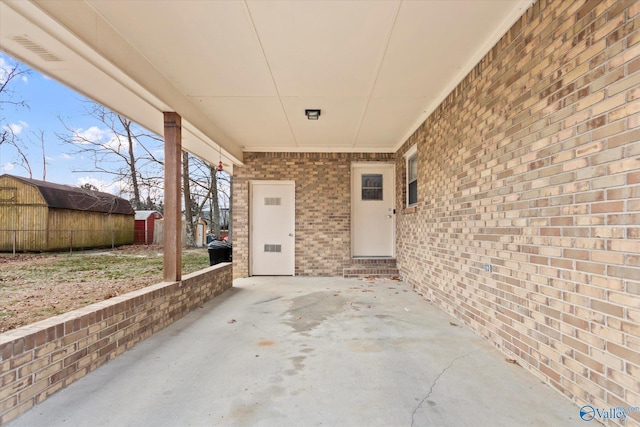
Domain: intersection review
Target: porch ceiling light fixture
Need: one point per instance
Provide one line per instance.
(312, 114)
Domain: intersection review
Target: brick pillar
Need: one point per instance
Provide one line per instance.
(172, 196)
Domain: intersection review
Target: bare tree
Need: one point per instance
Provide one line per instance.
(89, 186)
(11, 134)
(44, 156)
(10, 72)
(122, 151)
(22, 155)
(24, 146)
(214, 206)
(127, 154)
(188, 202)
(206, 189)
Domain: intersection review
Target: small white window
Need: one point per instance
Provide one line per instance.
(372, 187)
(411, 157)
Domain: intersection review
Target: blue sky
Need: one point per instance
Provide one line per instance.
(47, 101)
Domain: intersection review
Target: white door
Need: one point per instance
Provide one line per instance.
(373, 209)
(272, 228)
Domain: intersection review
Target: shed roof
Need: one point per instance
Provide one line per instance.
(75, 198)
(141, 215)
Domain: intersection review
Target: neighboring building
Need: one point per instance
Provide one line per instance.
(200, 237)
(43, 216)
(145, 227)
(201, 232)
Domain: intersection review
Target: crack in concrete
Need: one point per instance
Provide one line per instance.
(433, 384)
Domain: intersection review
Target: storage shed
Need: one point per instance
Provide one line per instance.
(201, 232)
(42, 216)
(145, 227)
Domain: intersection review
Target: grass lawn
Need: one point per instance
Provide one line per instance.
(37, 286)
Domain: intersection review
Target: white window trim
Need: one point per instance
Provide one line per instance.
(413, 151)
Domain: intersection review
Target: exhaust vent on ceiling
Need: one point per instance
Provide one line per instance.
(34, 47)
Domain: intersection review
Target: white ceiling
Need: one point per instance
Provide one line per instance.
(241, 73)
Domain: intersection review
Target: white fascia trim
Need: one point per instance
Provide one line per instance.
(264, 149)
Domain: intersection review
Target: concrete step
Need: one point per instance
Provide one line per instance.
(364, 268)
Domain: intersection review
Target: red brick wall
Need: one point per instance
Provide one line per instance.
(42, 358)
(532, 165)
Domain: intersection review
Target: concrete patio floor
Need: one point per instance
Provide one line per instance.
(284, 351)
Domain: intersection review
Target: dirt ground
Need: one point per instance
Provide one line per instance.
(34, 287)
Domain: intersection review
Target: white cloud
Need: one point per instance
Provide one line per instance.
(24, 79)
(16, 128)
(99, 184)
(104, 186)
(65, 156)
(8, 167)
(104, 137)
(116, 143)
(93, 134)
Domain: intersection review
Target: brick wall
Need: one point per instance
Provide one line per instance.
(532, 165)
(42, 358)
(323, 207)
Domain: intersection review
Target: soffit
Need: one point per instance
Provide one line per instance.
(241, 73)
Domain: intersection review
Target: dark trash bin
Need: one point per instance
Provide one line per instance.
(219, 251)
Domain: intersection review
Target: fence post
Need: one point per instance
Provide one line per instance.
(70, 241)
(14, 241)
(113, 239)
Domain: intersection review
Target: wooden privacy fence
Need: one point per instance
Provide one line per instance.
(58, 240)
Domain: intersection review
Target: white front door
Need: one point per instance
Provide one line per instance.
(373, 209)
(272, 227)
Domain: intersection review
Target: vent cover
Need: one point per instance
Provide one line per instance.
(272, 248)
(272, 201)
(34, 47)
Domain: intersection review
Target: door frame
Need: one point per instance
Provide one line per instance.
(292, 184)
(380, 165)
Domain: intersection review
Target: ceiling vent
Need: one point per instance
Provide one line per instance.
(34, 47)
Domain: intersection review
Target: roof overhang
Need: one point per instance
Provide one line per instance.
(241, 73)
